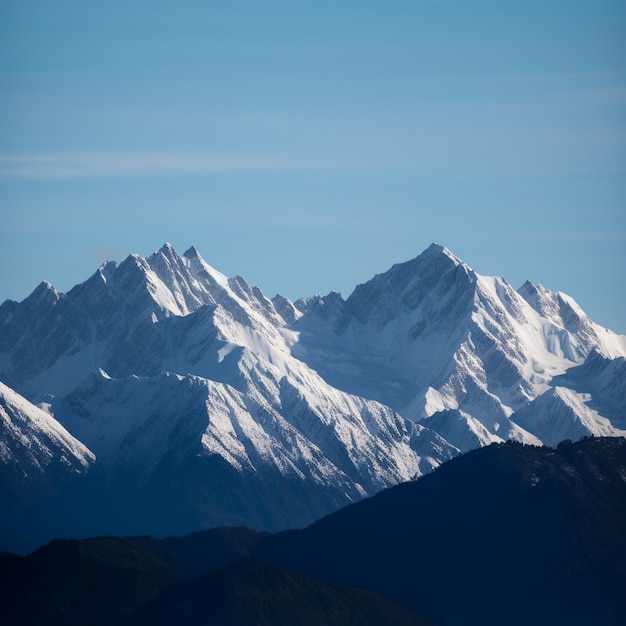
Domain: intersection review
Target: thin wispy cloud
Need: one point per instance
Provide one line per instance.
(111, 164)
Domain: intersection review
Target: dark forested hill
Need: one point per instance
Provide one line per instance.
(507, 534)
(201, 579)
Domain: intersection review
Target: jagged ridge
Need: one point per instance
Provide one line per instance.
(186, 383)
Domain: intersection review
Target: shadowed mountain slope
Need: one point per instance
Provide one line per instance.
(508, 534)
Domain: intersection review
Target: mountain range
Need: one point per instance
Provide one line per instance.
(161, 397)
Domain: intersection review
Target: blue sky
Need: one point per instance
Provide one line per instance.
(310, 145)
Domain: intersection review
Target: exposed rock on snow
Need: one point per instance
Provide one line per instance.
(200, 395)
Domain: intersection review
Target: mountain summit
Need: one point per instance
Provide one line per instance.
(199, 402)
(432, 335)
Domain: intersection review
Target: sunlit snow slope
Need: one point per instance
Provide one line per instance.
(38, 459)
(206, 403)
(454, 350)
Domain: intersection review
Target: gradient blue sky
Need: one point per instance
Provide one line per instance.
(310, 145)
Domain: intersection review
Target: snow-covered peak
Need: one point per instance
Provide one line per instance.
(436, 250)
(286, 308)
(45, 286)
(177, 285)
(35, 440)
(562, 413)
(428, 327)
(561, 311)
(167, 249)
(545, 302)
(192, 253)
(433, 327)
(43, 293)
(162, 365)
(429, 281)
(556, 306)
(199, 266)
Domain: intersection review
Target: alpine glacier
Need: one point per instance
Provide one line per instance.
(183, 399)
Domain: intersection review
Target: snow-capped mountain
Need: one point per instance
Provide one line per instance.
(38, 458)
(182, 384)
(206, 403)
(452, 349)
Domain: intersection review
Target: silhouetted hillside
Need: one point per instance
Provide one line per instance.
(250, 591)
(198, 579)
(97, 581)
(508, 534)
